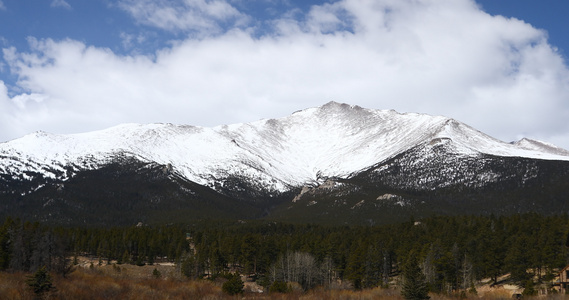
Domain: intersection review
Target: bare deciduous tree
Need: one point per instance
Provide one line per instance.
(303, 268)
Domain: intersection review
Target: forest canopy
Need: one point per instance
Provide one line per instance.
(452, 252)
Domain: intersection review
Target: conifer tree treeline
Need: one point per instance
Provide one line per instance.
(452, 252)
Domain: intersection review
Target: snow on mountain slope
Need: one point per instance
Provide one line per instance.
(330, 141)
(334, 140)
(539, 146)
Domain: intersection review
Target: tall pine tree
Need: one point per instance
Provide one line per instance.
(414, 281)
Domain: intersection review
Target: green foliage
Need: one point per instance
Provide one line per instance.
(529, 288)
(156, 273)
(125, 257)
(414, 282)
(188, 267)
(40, 282)
(279, 287)
(140, 261)
(5, 244)
(264, 281)
(453, 252)
(233, 286)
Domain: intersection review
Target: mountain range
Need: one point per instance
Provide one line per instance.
(336, 163)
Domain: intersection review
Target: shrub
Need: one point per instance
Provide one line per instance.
(234, 285)
(156, 273)
(279, 287)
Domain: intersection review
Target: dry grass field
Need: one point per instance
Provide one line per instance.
(91, 282)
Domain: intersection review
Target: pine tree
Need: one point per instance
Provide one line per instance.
(234, 285)
(529, 288)
(414, 281)
(40, 282)
(5, 245)
(125, 257)
(189, 266)
(156, 273)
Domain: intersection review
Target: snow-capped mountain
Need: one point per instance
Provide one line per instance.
(309, 148)
(335, 140)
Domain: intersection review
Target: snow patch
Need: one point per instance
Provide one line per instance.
(357, 205)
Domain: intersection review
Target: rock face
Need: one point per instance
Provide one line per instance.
(334, 163)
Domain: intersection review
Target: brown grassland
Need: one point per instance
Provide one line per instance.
(133, 282)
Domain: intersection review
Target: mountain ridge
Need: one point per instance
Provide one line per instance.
(293, 150)
(333, 157)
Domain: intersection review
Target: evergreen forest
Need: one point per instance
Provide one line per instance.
(453, 252)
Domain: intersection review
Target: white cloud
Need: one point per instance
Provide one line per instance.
(2, 6)
(203, 16)
(132, 42)
(443, 57)
(60, 3)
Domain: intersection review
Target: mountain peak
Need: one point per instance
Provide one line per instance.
(345, 151)
(535, 145)
(333, 140)
(333, 105)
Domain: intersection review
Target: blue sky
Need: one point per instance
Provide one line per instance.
(548, 15)
(69, 66)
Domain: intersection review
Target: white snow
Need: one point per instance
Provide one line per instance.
(334, 140)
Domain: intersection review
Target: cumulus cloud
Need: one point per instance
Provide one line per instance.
(443, 57)
(60, 3)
